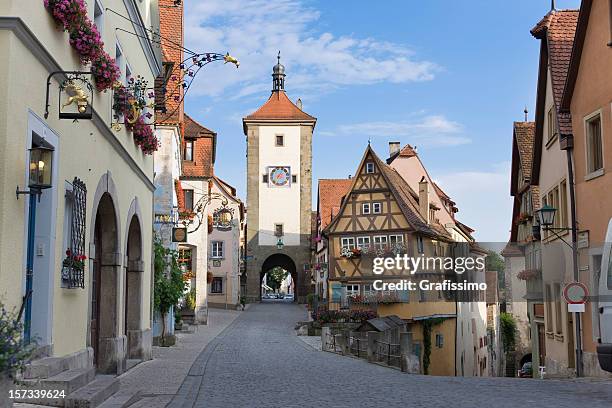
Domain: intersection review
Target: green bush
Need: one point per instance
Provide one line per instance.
(14, 354)
(169, 284)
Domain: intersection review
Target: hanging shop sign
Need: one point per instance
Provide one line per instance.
(179, 234)
(75, 99)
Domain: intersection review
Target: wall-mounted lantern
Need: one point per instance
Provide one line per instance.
(40, 169)
(280, 244)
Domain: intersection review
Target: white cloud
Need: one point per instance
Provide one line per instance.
(253, 31)
(483, 199)
(421, 130)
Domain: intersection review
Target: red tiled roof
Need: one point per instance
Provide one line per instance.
(408, 151)
(331, 192)
(407, 199)
(559, 29)
(278, 106)
(193, 129)
(524, 134)
(204, 150)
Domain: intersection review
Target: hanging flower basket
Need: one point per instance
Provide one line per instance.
(529, 274)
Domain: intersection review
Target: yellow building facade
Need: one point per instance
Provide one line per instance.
(108, 319)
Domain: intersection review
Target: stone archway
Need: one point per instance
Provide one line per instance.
(109, 348)
(285, 262)
(134, 269)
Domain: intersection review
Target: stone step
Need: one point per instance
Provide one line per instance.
(94, 393)
(63, 383)
(44, 368)
(131, 363)
(123, 400)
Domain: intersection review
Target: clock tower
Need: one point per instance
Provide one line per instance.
(279, 189)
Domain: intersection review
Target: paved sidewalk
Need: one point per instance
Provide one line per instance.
(158, 380)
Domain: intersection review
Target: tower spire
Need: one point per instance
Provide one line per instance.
(278, 76)
(552, 5)
(526, 113)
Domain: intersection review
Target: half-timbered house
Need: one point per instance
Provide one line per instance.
(381, 216)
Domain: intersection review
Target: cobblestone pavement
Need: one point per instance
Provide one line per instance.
(258, 361)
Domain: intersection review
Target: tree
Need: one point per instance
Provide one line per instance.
(169, 284)
(494, 262)
(275, 276)
(508, 331)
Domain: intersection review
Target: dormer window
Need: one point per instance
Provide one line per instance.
(369, 167)
(188, 153)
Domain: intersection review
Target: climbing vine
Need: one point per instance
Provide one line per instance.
(428, 325)
(508, 331)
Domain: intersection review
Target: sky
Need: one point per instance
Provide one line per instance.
(449, 77)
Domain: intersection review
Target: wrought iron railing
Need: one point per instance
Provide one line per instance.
(388, 353)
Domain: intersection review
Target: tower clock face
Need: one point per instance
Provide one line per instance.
(279, 176)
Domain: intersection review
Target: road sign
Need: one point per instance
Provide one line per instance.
(575, 293)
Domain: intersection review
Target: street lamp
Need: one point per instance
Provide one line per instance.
(279, 243)
(40, 169)
(546, 216)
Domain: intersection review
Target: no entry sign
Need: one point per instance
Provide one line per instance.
(575, 293)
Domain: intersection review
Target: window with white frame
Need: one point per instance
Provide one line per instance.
(594, 144)
(347, 243)
(352, 289)
(216, 249)
(369, 167)
(363, 243)
(376, 208)
(365, 208)
(367, 289)
(188, 153)
(99, 17)
(120, 60)
(380, 242)
(396, 241)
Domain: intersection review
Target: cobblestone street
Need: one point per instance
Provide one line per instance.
(258, 361)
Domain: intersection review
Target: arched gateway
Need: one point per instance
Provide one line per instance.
(279, 188)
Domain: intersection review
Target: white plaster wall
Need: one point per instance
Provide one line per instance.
(279, 205)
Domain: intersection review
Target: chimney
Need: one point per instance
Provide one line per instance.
(394, 147)
(299, 103)
(424, 199)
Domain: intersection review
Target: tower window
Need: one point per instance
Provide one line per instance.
(293, 178)
(278, 230)
(264, 178)
(369, 167)
(280, 140)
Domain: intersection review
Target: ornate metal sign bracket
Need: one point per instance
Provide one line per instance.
(79, 92)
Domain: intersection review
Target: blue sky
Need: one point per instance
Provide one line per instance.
(447, 76)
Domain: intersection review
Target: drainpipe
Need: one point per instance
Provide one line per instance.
(574, 228)
(30, 268)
